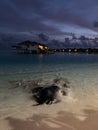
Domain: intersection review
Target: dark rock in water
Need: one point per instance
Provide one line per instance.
(37, 90)
(65, 85)
(61, 81)
(45, 95)
(28, 84)
(64, 93)
(15, 83)
(41, 93)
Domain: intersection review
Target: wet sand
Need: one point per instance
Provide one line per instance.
(63, 121)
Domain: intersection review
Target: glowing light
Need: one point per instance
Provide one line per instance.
(69, 50)
(75, 50)
(41, 47)
(87, 50)
(46, 47)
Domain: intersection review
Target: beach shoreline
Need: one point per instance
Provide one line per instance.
(16, 106)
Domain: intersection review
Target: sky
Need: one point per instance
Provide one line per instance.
(25, 19)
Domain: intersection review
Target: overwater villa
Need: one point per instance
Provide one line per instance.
(78, 50)
(32, 48)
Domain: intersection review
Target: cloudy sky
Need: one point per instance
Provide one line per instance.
(52, 17)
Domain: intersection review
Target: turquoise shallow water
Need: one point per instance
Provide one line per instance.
(81, 70)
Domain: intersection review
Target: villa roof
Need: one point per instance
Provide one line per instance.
(27, 43)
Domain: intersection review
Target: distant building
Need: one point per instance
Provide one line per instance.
(31, 47)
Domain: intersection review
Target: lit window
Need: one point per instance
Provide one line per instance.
(46, 47)
(41, 47)
(87, 50)
(75, 50)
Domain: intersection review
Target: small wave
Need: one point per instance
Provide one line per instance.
(30, 72)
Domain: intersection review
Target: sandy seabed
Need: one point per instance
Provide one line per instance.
(61, 121)
(44, 122)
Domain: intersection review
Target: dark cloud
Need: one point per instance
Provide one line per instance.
(15, 17)
(43, 37)
(52, 17)
(30, 15)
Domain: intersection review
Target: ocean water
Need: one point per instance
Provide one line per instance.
(81, 70)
